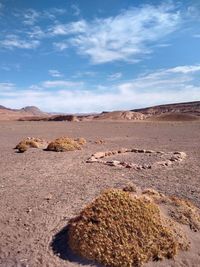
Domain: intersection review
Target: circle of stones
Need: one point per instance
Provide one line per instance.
(99, 157)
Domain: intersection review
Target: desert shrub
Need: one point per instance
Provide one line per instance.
(32, 142)
(119, 229)
(28, 143)
(63, 144)
(81, 141)
(22, 148)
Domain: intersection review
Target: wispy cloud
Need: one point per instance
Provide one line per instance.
(61, 84)
(161, 86)
(30, 16)
(185, 69)
(61, 46)
(55, 73)
(14, 41)
(7, 86)
(115, 76)
(67, 29)
(76, 10)
(127, 36)
(36, 32)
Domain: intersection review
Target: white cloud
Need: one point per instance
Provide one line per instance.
(115, 76)
(7, 86)
(60, 46)
(158, 87)
(76, 10)
(60, 83)
(84, 73)
(13, 41)
(31, 16)
(52, 13)
(36, 32)
(55, 73)
(185, 69)
(70, 28)
(127, 36)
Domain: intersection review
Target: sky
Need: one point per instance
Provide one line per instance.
(90, 56)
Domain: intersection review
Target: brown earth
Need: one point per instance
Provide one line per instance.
(41, 191)
(29, 113)
(174, 117)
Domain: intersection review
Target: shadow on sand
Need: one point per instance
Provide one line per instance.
(61, 248)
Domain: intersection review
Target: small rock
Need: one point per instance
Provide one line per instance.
(99, 155)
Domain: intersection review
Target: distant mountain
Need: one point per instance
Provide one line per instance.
(2, 107)
(16, 114)
(192, 108)
(32, 110)
(169, 112)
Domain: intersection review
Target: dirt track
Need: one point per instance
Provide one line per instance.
(40, 191)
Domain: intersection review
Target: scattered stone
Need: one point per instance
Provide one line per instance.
(113, 163)
(130, 188)
(173, 157)
(99, 155)
(122, 150)
(99, 142)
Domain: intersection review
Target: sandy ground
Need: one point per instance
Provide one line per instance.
(40, 191)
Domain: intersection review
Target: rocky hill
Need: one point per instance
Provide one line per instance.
(192, 108)
(169, 112)
(16, 114)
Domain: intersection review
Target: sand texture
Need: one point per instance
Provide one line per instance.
(41, 191)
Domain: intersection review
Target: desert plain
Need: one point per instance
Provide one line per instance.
(41, 191)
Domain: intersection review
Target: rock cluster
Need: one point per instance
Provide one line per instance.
(173, 157)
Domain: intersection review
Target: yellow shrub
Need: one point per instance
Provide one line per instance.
(119, 229)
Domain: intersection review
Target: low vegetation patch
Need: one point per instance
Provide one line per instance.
(29, 142)
(122, 229)
(81, 141)
(63, 144)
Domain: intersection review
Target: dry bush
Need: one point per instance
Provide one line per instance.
(63, 144)
(22, 148)
(27, 143)
(81, 141)
(119, 229)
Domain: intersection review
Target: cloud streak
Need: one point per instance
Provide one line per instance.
(14, 41)
(125, 37)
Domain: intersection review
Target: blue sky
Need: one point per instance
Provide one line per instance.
(90, 56)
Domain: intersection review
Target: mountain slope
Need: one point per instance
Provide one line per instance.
(16, 114)
(192, 108)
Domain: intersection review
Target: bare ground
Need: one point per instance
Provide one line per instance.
(40, 191)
